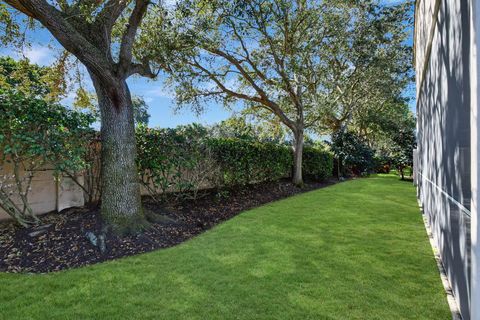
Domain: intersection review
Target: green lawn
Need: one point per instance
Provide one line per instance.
(355, 250)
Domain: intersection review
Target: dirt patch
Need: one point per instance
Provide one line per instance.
(66, 239)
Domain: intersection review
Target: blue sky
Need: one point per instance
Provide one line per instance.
(44, 49)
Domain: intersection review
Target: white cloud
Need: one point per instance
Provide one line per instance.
(170, 3)
(41, 55)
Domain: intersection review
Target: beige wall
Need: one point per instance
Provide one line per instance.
(47, 194)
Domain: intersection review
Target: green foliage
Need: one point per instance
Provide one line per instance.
(368, 63)
(173, 159)
(244, 161)
(391, 132)
(22, 76)
(140, 111)
(32, 80)
(33, 134)
(317, 164)
(10, 31)
(32, 128)
(189, 158)
(251, 129)
(355, 157)
(404, 141)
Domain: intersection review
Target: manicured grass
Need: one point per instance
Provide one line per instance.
(356, 250)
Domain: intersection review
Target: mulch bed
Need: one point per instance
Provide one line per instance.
(64, 240)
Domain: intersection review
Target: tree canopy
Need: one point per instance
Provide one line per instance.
(310, 64)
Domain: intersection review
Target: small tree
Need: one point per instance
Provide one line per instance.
(402, 151)
(266, 54)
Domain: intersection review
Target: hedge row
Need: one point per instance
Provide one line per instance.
(188, 158)
(243, 161)
(317, 164)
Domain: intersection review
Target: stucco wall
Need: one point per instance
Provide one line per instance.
(443, 132)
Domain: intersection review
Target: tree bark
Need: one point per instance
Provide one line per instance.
(121, 201)
(298, 158)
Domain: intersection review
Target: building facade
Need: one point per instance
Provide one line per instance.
(447, 39)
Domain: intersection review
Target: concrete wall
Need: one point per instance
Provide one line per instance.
(442, 57)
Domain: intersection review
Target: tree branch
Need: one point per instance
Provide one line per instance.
(142, 69)
(17, 4)
(237, 64)
(263, 100)
(128, 38)
(110, 13)
(247, 57)
(68, 36)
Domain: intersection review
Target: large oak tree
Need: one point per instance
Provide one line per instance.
(102, 36)
(278, 57)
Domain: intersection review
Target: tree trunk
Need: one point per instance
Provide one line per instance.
(339, 168)
(121, 205)
(298, 158)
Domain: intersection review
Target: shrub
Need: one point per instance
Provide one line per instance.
(317, 164)
(354, 155)
(187, 159)
(244, 161)
(404, 142)
(174, 159)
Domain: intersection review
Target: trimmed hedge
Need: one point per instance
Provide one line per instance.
(174, 159)
(317, 164)
(243, 161)
(187, 159)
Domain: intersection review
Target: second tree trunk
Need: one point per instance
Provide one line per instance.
(298, 159)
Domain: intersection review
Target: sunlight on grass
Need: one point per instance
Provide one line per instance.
(355, 250)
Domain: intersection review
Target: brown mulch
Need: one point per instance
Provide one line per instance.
(64, 240)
